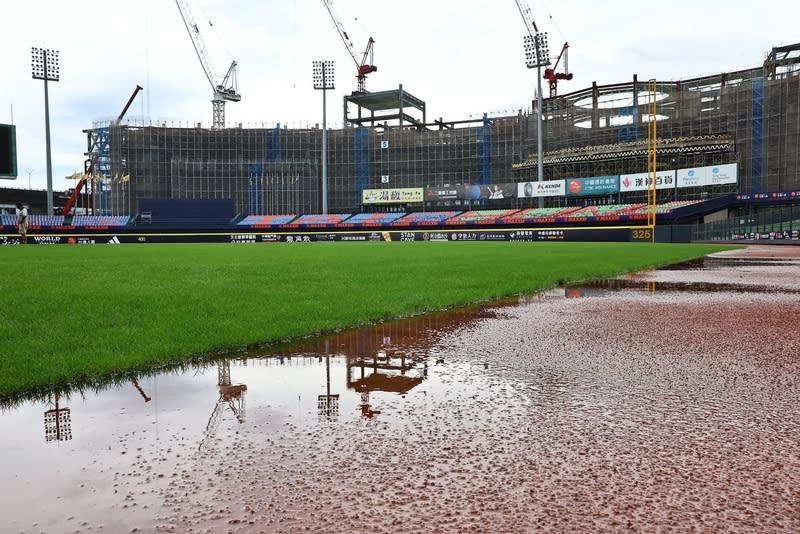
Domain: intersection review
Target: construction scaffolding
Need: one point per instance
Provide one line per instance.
(750, 118)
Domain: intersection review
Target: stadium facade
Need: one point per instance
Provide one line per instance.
(747, 120)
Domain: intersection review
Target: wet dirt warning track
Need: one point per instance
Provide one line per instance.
(665, 401)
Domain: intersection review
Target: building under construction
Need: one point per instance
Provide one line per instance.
(750, 118)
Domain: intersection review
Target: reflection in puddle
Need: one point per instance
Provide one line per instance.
(652, 407)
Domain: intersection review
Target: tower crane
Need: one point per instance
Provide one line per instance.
(225, 88)
(362, 67)
(552, 76)
(550, 73)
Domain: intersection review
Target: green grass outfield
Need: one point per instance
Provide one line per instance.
(86, 312)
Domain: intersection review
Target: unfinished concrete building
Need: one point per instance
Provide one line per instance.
(750, 118)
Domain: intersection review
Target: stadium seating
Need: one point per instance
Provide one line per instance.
(425, 218)
(316, 221)
(536, 215)
(265, 221)
(370, 220)
(100, 222)
(480, 217)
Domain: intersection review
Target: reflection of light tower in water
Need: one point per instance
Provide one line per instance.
(230, 396)
(57, 423)
(328, 405)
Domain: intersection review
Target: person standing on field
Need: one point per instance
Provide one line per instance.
(22, 222)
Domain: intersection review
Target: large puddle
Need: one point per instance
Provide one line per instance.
(666, 400)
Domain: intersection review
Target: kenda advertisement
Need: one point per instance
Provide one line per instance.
(548, 188)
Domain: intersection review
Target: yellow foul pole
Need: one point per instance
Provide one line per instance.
(651, 161)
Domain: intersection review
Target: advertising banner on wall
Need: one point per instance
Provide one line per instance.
(391, 196)
(641, 181)
(549, 188)
(595, 185)
(471, 192)
(704, 176)
(433, 194)
(490, 191)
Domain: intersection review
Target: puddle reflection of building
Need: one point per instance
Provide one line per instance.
(384, 372)
(231, 396)
(57, 422)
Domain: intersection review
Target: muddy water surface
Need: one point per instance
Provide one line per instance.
(667, 400)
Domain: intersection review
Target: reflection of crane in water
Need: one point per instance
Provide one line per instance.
(140, 390)
(231, 396)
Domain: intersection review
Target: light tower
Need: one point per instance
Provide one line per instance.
(323, 79)
(44, 66)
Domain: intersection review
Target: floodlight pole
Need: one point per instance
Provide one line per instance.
(323, 79)
(537, 55)
(539, 143)
(44, 65)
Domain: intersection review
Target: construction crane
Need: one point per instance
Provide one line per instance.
(552, 76)
(225, 88)
(231, 397)
(550, 73)
(88, 167)
(362, 67)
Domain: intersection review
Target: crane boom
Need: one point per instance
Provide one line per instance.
(527, 17)
(224, 89)
(348, 44)
(362, 67)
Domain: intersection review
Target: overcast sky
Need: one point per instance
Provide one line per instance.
(462, 57)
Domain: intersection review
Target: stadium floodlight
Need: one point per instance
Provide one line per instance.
(537, 55)
(322, 72)
(44, 66)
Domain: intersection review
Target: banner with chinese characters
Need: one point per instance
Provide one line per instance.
(595, 185)
(642, 181)
(392, 196)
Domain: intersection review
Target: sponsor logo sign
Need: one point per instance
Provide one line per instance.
(642, 181)
(549, 188)
(595, 185)
(392, 196)
(704, 176)
(443, 193)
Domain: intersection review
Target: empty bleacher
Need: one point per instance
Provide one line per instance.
(317, 221)
(99, 222)
(265, 221)
(537, 215)
(425, 218)
(480, 217)
(370, 220)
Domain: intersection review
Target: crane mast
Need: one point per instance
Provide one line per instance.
(225, 89)
(363, 67)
